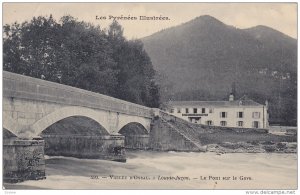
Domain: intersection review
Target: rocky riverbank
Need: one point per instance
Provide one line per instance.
(253, 147)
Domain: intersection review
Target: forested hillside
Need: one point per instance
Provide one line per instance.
(203, 58)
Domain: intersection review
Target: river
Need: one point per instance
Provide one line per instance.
(170, 170)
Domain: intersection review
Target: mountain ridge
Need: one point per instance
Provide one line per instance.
(211, 18)
(205, 56)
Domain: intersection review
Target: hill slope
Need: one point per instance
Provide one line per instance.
(203, 57)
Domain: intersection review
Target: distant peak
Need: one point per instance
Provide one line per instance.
(207, 19)
(262, 27)
(260, 30)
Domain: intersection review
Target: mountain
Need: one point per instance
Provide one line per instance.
(204, 57)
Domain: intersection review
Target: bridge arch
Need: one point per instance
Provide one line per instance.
(136, 136)
(133, 128)
(66, 112)
(6, 134)
(75, 126)
(10, 124)
(127, 119)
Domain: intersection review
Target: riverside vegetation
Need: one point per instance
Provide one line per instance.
(82, 55)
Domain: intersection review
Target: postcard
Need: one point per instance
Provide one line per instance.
(150, 96)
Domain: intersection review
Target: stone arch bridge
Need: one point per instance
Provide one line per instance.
(32, 108)
(31, 105)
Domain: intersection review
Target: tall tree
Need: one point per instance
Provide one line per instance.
(136, 73)
(90, 65)
(81, 55)
(32, 48)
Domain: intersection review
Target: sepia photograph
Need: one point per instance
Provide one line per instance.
(150, 96)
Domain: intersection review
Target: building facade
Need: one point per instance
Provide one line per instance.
(242, 113)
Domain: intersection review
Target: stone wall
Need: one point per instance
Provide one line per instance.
(23, 160)
(234, 129)
(164, 138)
(97, 147)
(137, 142)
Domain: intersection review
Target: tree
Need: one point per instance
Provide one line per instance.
(136, 73)
(31, 48)
(90, 65)
(82, 55)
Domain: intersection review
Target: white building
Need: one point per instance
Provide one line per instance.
(242, 113)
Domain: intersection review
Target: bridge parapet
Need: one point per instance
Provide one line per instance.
(166, 116)
(24, 87)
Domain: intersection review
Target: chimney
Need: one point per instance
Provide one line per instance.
(231, 97)
(267, 103)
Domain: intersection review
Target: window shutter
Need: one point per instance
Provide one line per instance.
(220, 114)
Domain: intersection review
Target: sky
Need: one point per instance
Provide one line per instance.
(280, 16)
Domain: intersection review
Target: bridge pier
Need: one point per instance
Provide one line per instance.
(137, 142)
(108, 147)
(23, 160)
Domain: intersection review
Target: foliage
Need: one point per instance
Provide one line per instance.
(82, 55)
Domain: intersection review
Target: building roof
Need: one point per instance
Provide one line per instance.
(240, 102)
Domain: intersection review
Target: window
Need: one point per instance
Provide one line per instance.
(255, 124)
(209, 122)
(172, 110)
(223, 114)
(240, 115)
(211, 110)
(186, 110)
(223, 123)
(178, 110)
(195, 110)
(240, 123)
(203, 110)
(256, 115)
